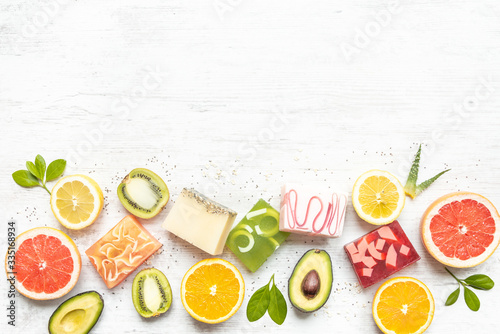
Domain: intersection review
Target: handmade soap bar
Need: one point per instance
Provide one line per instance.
(312, 211)
(200, 221)
(380, 253)
(120, 251)
(256, 236)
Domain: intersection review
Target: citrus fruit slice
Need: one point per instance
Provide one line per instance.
(212, 290)
(47, 263)
(378, 197)
(403, 305)
(461, 229)
(76, 201)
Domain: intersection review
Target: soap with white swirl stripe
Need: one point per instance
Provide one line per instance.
(256, 236)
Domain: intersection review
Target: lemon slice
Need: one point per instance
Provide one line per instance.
(76, 201)
(378, 197)
(403, 305)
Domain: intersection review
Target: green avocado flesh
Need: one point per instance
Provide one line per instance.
(311, 282)
(143, 193)
(151, 293)
(77, 315)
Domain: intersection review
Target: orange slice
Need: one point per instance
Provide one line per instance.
(76, 201)
(212, 290)
(403, 305)
(46, 264)
(461, 229)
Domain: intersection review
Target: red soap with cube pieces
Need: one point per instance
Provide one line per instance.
(380, 253)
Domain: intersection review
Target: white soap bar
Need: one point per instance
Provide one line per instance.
(312, 210)
(200, 221)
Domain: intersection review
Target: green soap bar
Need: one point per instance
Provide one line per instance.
(256, 236)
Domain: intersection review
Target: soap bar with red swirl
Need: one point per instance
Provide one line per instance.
(120, 251)
(312, 210)
(381, 253)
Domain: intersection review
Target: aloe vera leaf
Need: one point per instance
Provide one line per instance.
(411, 188)
(411, 183)
(424, 185)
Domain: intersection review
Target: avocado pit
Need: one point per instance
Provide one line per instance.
(311, 284)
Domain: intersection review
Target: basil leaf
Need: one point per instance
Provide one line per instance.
(258, 304)
(481, 282)
(277, 306)
(452, 298)
(25, 179)
(40, 166)
(33, 170)
(471, 299)
(55, 169)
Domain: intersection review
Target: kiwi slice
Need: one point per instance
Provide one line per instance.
(151, 293)
(143, 193)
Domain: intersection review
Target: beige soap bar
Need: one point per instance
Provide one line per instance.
(200, 221)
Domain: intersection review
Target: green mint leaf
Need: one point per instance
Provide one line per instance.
(481, 282)
(41, 167)
(471, 299)
(55, 169)
(452, 298)
(277, 306)
(25, 179)
(424, 185)
(258, 304)
(33, 170)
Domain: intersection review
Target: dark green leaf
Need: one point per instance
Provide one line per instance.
(258, 304)
(453, 297)
(33, 170)
(481, 282)
(55, 169)
(25, 179)
(277, 306)
(471, 299)
(40, 166)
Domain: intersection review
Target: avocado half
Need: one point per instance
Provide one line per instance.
(77, 315)
(311, 282)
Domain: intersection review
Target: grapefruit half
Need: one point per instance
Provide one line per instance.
(461, 229)
(46, 264)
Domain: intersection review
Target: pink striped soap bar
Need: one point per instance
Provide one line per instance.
(381, 253)
(312, 210)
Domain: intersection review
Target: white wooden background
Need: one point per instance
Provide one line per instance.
(236, 97)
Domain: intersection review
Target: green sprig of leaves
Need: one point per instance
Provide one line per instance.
(38, 174)
(267, 299)
(411, 188)
(478, 281)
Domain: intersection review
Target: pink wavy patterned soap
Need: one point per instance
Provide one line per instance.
(120, 251)
(312, 210)
(381, 253)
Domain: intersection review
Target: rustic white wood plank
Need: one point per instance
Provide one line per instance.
(234, 98)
